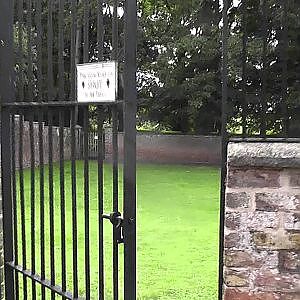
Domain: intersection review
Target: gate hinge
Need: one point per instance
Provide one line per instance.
(117, 222)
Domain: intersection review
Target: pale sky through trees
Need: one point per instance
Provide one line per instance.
(235, 2)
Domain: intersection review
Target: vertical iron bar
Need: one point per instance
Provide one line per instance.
(100, 202)
(130, 94)
(62, 198)
(15, 203)
(7, 95)
(51, 201)
(29, 50)
(115, 40)
(73, 149)
(22, 203)
(244, 64)
(115, 201)
(32, 198)
(86, 203)
(225, 34)
(61, 69)
(42, 197)
(7, 203)
(39, 50)
(50, 51)
(100, 30)
(73, 50)
(42, 225)
(20, 49)
(264, 73)
(74, 204)
(115, 158)
(115, 37)
(86, 32)
(284, 55)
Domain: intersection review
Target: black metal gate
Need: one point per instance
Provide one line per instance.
(50, 249)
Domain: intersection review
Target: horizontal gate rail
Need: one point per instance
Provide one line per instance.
(43, 282)
(59, 104)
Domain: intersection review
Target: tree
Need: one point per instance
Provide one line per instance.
(179, 60)
(282, 43)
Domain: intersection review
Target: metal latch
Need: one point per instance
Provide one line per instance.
(117, 221)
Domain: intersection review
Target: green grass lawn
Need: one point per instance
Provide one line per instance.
(177, 230)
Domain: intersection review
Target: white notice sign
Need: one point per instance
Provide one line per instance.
(97, 82)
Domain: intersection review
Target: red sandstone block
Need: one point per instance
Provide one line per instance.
(266, 240)
(294, 238)
(277, 240)
(277, 201)
(261, 259)
(239, 240)
(239, 259)
(295, 178)
(235, 294)
(256, 178)
(232, 220)
(237, 200)
(272, 280)
(236, 278)
(232, 240)
(289, 261)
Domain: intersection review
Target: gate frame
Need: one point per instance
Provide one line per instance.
(7, 95)
(130, 108)
(224, 149)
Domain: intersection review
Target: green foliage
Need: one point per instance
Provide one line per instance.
(180, 59)
(276, 54)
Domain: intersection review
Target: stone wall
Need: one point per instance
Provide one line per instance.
(172, 149)
(151, 148)
(27, 146)
(262, 222)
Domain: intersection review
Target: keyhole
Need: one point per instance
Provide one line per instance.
(83, 85)
(108, 83)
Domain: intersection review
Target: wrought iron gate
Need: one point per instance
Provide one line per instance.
(41, 43)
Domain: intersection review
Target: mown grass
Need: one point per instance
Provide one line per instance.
(177, 230)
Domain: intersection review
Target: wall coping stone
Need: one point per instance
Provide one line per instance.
(274, 155)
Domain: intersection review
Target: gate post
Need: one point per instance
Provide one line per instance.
(7, 95)
(224, 143)
(130, 96)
